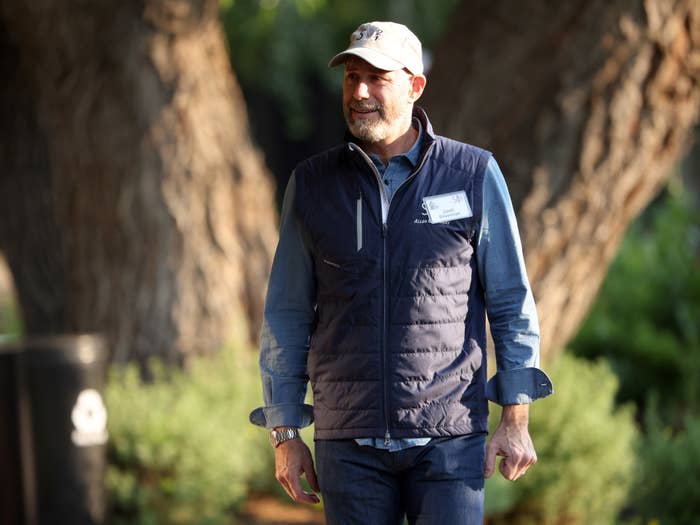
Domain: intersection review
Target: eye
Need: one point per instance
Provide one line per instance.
(379, 79)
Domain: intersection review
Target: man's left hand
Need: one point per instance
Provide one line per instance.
(512, 441)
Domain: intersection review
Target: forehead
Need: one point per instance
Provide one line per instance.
(358, 64)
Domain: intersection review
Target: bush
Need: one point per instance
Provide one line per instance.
(10, 322)
(586, 453)
(181, 448)
(668, 488)
(645, 320)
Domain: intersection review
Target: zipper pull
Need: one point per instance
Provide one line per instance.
(383, 230)
(387, 438)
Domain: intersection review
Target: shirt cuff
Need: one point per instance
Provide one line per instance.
(283, 415)
(518, 387)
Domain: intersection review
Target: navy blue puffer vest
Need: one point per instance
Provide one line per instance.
(399, 345)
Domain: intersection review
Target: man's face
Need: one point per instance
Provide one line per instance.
(376, 103)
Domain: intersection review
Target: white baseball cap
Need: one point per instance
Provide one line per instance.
(385, 45)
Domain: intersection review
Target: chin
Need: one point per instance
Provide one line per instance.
(367, 133)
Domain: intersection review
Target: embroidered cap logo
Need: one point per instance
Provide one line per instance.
(370, 33)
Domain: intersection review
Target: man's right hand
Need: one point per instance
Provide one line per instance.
(292, 458)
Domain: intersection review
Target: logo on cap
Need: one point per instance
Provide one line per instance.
(370, 32)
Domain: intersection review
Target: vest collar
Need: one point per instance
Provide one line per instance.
(428, 135)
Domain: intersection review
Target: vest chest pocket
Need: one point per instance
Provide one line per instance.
(442, 244)
(462, 227)
(337, 276)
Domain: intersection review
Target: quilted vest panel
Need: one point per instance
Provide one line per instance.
(399, 345)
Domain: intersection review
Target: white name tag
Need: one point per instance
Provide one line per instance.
(447, 207)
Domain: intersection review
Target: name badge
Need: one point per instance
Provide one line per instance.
(447, 207)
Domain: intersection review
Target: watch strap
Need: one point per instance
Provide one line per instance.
(277, 437)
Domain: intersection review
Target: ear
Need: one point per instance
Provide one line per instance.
(417, 86)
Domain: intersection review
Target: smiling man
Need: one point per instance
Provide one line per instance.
(394, 246)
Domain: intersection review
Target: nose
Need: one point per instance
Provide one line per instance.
(361, 91)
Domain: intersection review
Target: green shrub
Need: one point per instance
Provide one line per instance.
(668, 488)
(10, 321)
(585, 448)
(645, 319)
(181, 448)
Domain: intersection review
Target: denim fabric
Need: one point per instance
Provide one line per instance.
(440, 483)
(290, 310)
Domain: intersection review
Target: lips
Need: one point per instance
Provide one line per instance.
(363, 112)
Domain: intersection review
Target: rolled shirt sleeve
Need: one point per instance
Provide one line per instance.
(287, 323)
(509, 302)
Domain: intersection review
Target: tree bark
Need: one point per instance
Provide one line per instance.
(587, 106)
(133, 201)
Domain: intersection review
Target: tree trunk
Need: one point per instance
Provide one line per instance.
(133, 201)
(587, 106)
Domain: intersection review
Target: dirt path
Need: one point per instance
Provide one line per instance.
(268, 510)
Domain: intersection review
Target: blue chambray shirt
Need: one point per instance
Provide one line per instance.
(290, 303)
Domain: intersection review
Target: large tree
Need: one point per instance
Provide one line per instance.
(588, 106)
(132, 201)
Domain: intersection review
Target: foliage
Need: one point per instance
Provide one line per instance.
(585, 447)
(181, 448)
(10, 321)
(279, 46)
(668, 487)
(646, 318)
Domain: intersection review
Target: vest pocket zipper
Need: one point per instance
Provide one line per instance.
(344, 266)
(359, 222)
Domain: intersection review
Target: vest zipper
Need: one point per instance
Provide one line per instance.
(385, 203)
(385, 366)
(385, 356)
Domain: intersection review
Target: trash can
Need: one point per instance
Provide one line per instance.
(12, 501)
(63, 378)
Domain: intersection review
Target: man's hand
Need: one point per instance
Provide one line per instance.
(292, 458)
(512, 441)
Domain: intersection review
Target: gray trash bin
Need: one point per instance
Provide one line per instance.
(64, 377)
(12, 501)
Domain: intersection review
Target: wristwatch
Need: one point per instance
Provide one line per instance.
(277, 437)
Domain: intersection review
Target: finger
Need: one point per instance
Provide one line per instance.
(531, 460)
(311, 476)
(490, 463)
(283, 481)
(298, 493)
(508, 469)
(523, 466)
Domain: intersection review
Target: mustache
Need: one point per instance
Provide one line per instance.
(359, 106)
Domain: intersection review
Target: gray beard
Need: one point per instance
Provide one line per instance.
(369, 131)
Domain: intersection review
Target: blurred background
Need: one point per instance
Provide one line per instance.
(144, 149)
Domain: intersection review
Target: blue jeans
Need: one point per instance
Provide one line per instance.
(441, 483)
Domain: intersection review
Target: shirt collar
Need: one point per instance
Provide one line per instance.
(413, 154)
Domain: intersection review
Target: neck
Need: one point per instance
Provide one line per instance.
(397, 144)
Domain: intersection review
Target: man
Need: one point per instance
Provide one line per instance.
(393, 245)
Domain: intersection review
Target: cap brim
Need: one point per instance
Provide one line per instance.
(375, 58)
